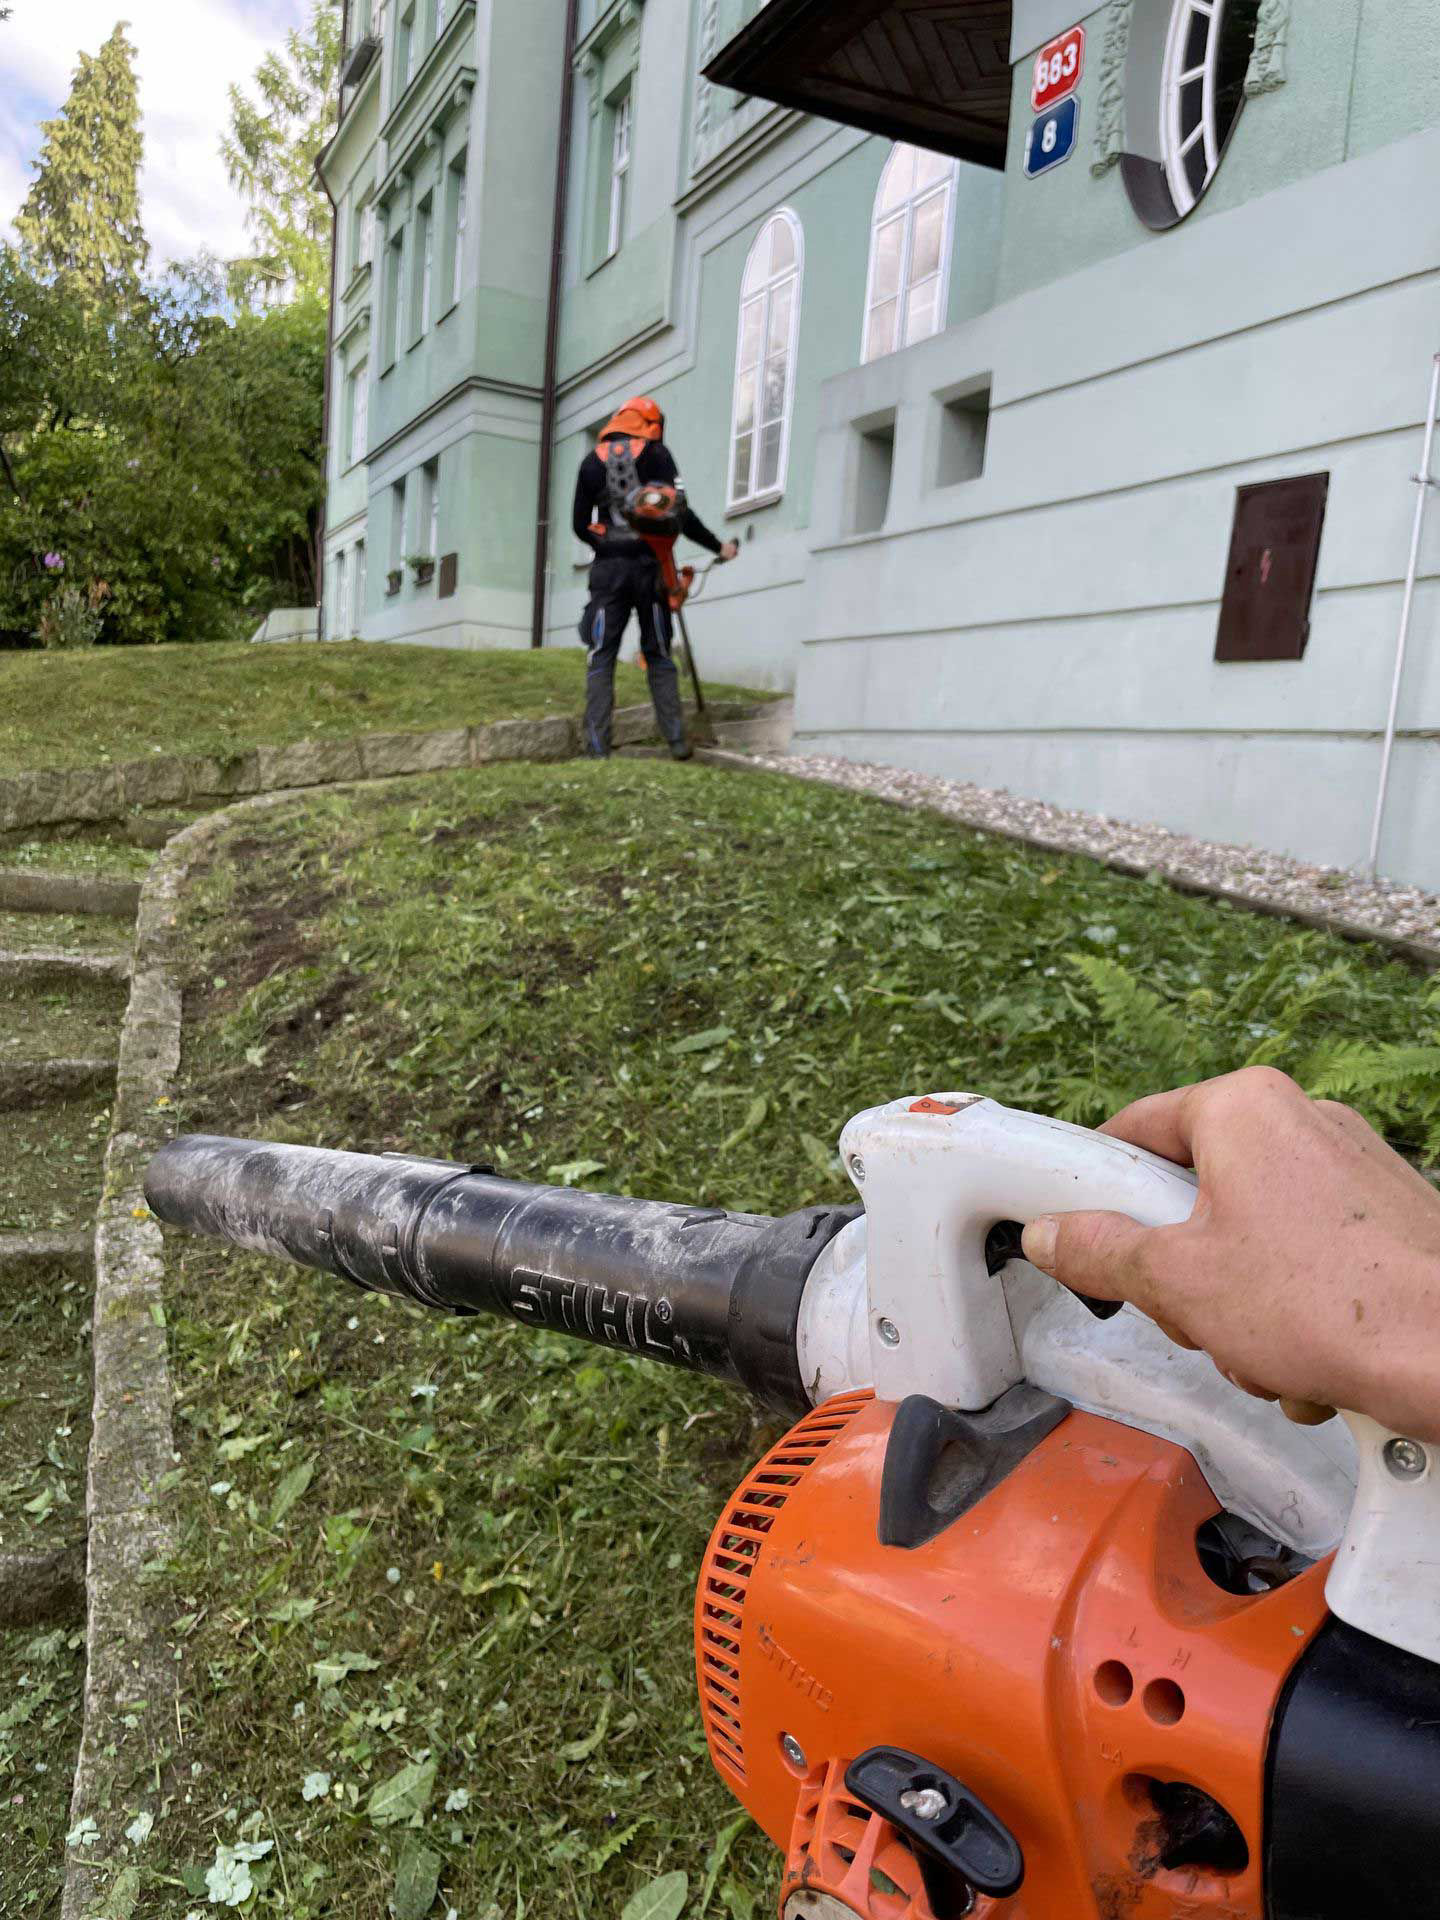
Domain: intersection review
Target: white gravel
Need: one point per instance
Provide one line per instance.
(1384, 907)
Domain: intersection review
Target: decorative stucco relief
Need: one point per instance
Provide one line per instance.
(1267, 62)
(1110, 105)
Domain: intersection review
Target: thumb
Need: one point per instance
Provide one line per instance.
(1094, 1253)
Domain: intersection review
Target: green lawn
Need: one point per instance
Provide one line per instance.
(120, 703)
(452, 1561)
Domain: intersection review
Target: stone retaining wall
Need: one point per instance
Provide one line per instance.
(79, 796)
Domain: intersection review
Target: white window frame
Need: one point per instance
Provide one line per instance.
(622, 140)
(365, 250)
(361, 583)
(442, 8)
(427, 268)
(430, 506)
(342, 596)
(462, 216)
(882, 217)
(359, 412)
(1175, 144)
(764, 295)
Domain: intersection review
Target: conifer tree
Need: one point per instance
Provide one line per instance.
(81, 219)
(270, 154)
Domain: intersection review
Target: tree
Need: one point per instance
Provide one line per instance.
(81, 218)
(153, 447)
(270, 155)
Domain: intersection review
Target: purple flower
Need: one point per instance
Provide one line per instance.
(55, 562)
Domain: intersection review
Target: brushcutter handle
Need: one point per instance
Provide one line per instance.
(714, 1292)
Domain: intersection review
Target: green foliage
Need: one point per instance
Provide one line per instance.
(270, 154)
(71, 617)
(684, 983)
(81, 218)
(1313, 1019)
(157, 448)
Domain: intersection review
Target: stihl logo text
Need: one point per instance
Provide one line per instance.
(792, 1671)
(594, 1312)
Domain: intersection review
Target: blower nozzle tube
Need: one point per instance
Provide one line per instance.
(714, 1292)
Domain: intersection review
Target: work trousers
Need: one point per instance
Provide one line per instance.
(619, 585)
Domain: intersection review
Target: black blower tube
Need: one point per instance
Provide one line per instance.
(717, 1293)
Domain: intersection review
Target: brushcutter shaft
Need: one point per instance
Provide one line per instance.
(713, 1292)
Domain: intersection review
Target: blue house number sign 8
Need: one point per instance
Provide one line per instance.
(1052, 138)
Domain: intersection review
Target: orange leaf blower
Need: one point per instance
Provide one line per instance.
(1030, 1615)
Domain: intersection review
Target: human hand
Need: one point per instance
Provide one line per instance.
(730, 549)
(1310, 1268)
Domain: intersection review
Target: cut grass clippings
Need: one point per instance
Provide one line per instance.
(432, 1605)
(122, 703)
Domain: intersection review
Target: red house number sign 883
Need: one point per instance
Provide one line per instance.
(1058, 67)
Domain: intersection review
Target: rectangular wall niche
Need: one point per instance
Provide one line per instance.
(964, 425)
(1270, 576)
(873, 471)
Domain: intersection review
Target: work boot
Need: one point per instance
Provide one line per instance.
(681, 750)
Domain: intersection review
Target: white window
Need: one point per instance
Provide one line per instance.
(622, 118)
(427, 265)
(405, 51)
(360, 585)
(397, 525)
(365, 247)
(394, 295)
(909, 251)
(340, 613)
(359, 411)
(461, 189)
(765, 360)
(442, 9)
(430, 508)
(1207, 55)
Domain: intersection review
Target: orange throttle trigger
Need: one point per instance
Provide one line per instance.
(1003, 1244)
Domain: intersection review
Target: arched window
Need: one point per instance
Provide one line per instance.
(765, 360)
(1185, 79)
(909, 251)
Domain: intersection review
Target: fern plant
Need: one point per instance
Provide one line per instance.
(1287, 1012)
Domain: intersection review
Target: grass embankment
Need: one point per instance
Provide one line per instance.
(433, 1601)
(121, 703)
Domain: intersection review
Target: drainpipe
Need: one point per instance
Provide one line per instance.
(549, 393)
(323, 523)
(1424, 481)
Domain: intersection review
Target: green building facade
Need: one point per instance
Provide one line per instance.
(981, 424)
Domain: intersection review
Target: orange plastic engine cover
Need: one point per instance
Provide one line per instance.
(1056, 1649)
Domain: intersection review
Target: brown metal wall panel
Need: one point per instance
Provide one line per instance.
(1270, 575)
(449, 575)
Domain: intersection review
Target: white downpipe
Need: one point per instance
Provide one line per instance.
(1424, 482)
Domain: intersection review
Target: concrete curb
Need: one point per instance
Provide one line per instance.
(26, 891)
(42, 967)
(34, 1083)
(1419, 953)
(130, 1699)
(79, 796)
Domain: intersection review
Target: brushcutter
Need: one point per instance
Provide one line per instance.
(1031, 1615)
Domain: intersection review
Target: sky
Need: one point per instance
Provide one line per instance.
(188, 53)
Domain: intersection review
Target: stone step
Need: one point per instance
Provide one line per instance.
(25, 1255)
(46, 967)
(24, 890)
(768, 729)
(34, 1083)
(43, 1589)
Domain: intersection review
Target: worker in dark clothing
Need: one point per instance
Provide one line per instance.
(628, 572)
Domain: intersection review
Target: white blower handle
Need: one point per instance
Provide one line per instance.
(904, 1301)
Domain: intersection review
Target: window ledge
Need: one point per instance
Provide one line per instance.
(452, 308)
(760, 504)
(357, 280)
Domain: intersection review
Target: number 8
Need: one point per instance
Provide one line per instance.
(1049, 137)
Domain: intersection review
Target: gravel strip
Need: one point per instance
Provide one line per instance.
(1270, 881)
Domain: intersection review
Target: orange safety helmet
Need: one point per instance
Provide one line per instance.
(641, 419)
